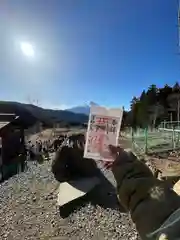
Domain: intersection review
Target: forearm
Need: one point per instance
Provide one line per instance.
(148, 200)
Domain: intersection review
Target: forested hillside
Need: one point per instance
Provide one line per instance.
(45, 115)
(153, 106)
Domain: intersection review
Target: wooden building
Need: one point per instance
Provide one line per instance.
(12, 146)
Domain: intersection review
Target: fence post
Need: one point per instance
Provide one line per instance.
(146, 140)
(178, 138)
(132, 139)
(173, 139)
(164, 124)
(174, 133)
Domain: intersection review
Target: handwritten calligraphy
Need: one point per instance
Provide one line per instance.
(103, 129)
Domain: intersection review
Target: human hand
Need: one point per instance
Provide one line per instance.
(114, 152)
(118, 155)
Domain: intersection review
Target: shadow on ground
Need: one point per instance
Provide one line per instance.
(103, 195)
(69, 164)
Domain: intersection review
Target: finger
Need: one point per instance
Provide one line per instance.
(108, 165)
(115, 150)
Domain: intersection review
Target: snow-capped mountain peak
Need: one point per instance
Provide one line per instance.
(84, 109)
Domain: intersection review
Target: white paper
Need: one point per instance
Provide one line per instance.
(69, 191)
(103, 129)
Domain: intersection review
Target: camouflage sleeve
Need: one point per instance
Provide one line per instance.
(149, 201)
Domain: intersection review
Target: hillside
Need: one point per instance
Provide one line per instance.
(45, 115)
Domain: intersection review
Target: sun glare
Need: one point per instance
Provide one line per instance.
(27, 49)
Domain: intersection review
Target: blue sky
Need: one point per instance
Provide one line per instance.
(106, 51)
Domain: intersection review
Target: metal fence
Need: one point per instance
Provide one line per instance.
(146, 141)
(169, 125)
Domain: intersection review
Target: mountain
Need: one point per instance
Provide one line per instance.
(80, 110)
(84, 109)
(45, 115)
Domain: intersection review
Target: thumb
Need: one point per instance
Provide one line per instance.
(115, 150)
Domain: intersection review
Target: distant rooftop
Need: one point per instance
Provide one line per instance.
(3, 124)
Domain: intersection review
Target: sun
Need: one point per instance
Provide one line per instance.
(27, 49)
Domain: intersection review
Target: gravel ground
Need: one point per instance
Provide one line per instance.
(28, 211)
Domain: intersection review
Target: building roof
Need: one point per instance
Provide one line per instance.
(7, 119)
(3, 124)
(10, 110)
